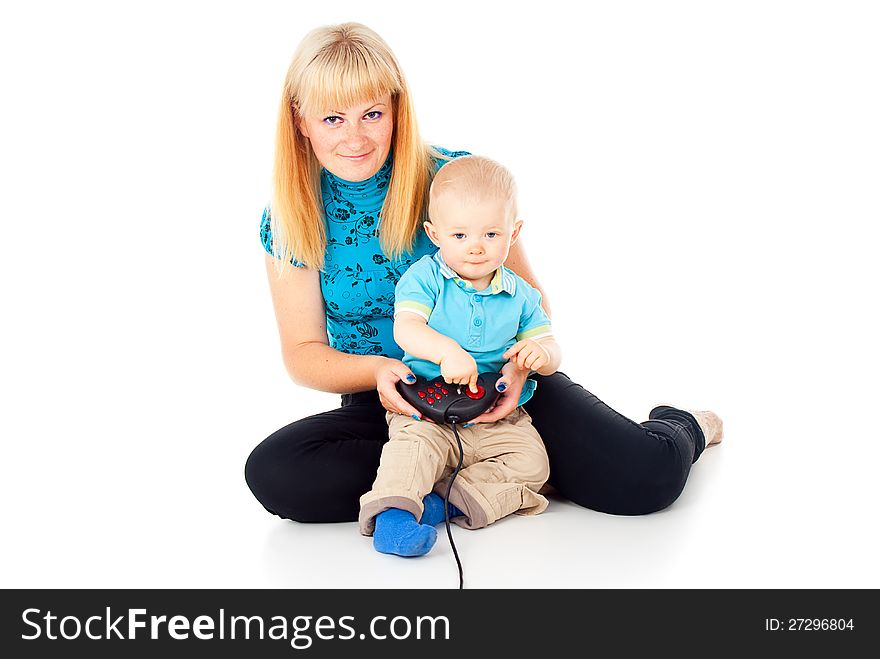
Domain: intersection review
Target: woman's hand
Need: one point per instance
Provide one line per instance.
(388, 373)
(512, 379)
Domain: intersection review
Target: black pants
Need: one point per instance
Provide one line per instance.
(315, 469)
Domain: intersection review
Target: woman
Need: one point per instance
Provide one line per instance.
(350, 187)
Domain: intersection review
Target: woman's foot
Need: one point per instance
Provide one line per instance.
(710, 424)
(398, 532)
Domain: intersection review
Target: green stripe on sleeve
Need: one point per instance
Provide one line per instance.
(416, 307)
(535, 333)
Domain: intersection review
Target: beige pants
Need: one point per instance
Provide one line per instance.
(505, 464)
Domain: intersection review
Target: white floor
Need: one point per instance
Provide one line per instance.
(760, 510)
(699, 188)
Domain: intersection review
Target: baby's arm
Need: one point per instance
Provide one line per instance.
(535, 349)
(412, 333)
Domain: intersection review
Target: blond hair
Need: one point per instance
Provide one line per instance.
(475, 179)
(340, 66)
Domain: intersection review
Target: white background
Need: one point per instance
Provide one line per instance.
(699, 183)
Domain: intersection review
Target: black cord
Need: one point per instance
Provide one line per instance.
(453, 420)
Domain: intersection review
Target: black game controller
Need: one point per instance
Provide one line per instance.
(444, 403)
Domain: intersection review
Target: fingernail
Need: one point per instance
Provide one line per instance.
(501, 386)
(468, 425)
(410, 378)
(416, 417)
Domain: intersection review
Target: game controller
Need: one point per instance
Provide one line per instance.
(443, 403)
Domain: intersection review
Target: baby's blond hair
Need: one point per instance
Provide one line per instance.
(475, 179)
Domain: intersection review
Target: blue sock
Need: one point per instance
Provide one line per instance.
(397, 532)
(434, 514)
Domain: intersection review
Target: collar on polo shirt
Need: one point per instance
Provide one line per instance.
(502, 281)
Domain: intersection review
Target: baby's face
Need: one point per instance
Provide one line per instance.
(474, 237)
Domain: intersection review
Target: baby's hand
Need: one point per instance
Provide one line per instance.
(458, 367)
(528, 354)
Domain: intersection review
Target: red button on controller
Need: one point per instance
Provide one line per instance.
(476, 395)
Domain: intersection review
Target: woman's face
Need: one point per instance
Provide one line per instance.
(352, 142)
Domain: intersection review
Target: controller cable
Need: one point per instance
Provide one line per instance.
(454, 421)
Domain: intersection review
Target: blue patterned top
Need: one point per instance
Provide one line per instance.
(358, 280)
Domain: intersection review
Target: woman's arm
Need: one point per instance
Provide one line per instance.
(308, 357)
(302, 326)
(519, 263)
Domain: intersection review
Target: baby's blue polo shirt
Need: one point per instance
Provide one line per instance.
(485, 323)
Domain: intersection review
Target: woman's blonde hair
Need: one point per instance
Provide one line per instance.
(340, 66)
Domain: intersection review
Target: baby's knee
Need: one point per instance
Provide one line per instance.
(542, 467)
(530, 466)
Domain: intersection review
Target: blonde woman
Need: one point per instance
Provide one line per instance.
(350, 193)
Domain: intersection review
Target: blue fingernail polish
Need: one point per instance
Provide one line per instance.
(468, 425)
(410, 378)
(416, 417)
(501, 386)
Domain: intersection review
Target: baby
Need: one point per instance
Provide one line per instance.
(457, 314)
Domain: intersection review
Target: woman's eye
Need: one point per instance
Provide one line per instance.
(332, 120)
(458, 236)
(373, 115)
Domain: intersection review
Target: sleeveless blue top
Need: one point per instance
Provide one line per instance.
(358, 279)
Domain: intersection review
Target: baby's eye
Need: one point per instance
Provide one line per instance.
(332, 120)
(373, 115)
(491, 234)
(458, 236)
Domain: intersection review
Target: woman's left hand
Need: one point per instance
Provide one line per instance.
(514, 378)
